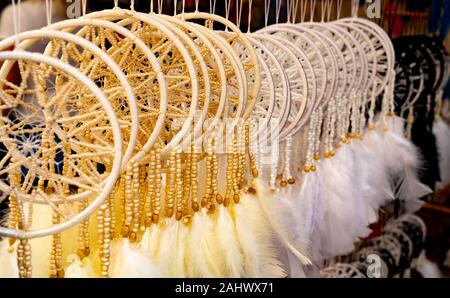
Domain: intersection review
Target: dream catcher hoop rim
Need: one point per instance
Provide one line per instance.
(117, 137)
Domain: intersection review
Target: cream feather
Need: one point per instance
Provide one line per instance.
(79, 268)
(172, 248)
(257, 240)
(150, 240)
(8, 261)
(202, 251)
(128, 261)
(228, 245)
(41, 247)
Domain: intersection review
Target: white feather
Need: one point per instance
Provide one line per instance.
(441, 130)
(256, 239)
(79, 268)
(172, 248)
(150, 240)
(202, 252)
(404, 161)
(288, 226)
(228, 245)
(128, 261)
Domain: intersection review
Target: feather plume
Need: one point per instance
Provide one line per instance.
(79, 268)
(128, 261)
(256, 239)
(441, 130)
(172, 248)
(404, 161)
(228, 245)
(285, 222)
(201, 252)
(8, 262)
(41, 247)
(150, 240)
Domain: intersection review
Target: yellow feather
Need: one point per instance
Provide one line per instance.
(8, 261)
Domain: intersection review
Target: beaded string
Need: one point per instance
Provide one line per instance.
(229, 173)
(194, 175)
(215, 171)
(127, 201)
(409, 122)
(310, 149)
(143, 200)
(156, 206)
(317, 134)
(253, 152)
(150, 196)
(178, 186)
(346, 112)
(289, 177)
(170, 184)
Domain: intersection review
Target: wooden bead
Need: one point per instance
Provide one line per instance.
(178, 215)
(291, 180)
(219, 199)
(236, 198)
(283, 183)
(155, 218)
(195, 206)
(226, 201)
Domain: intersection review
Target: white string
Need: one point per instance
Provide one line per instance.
(196, 5)
(322, 10)
(277, 10)
(329, 7)
(116, 3)
(303, 5)
(312, 10)
(160, 4)
(175, 6)
(48, 11)
(249, 19)
(338, 9)
(239, 5)
(16, 21)
(227, 10)
(132, 5)
(288, 10)
(294, 19)
(183, 6)
(266, 11)
(84, 7)
(355, 6)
